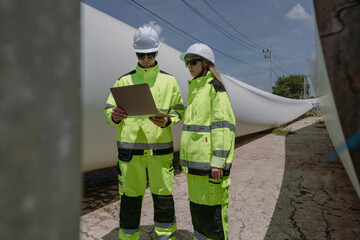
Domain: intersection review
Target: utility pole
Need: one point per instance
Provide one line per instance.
(305, 97)
(269, 52)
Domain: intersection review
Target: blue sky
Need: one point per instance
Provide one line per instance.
(237, 31)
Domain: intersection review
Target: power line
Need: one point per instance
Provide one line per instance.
(289, 70)
(220, 29)
(196, 39)
(281, 69)
(276, 73)
(284, 73)
(258, 46)
(142, 9)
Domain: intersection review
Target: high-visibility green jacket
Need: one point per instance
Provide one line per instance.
(208, 134)
(134, 134)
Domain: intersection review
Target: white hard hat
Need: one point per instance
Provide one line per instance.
(146, 40)
(200, 49)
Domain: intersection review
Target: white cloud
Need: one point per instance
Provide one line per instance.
(156, 27)
(298, 13)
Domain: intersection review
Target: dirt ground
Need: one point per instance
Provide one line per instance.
(282, 188)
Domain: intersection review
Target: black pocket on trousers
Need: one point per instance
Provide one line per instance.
(124, 155)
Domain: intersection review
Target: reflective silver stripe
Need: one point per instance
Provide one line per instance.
(109, 106)
(196, 165)
(144, 146)
(200, 166)
(164, 110)
(164, 225)
(196, 128)
(130, 231)
(214, 125)
(223, 124)
(199, 236)
(221, 153)
(178, 107)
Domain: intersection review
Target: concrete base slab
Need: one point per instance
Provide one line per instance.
(282, 188)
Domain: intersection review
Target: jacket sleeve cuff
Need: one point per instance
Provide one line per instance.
(110, 120)
(167, 123)
(116, 122)
(218, 162)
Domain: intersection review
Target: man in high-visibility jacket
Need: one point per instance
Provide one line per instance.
(145, 147)
(207, 144)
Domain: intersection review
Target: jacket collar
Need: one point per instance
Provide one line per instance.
(201, 81)
(147, 73)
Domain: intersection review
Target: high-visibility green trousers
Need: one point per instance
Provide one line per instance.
(209, 199)
(132, 185)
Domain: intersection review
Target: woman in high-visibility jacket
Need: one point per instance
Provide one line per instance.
(207, 144)
(145, 145)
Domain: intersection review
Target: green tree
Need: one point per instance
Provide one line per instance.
(292, 86)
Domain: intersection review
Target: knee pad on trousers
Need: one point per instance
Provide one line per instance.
(207, 220)
(164, 211)
(130, 212)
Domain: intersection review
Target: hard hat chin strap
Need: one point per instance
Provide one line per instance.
(204, 69)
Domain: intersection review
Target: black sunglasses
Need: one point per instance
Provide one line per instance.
(150, 55)
(192, 62)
